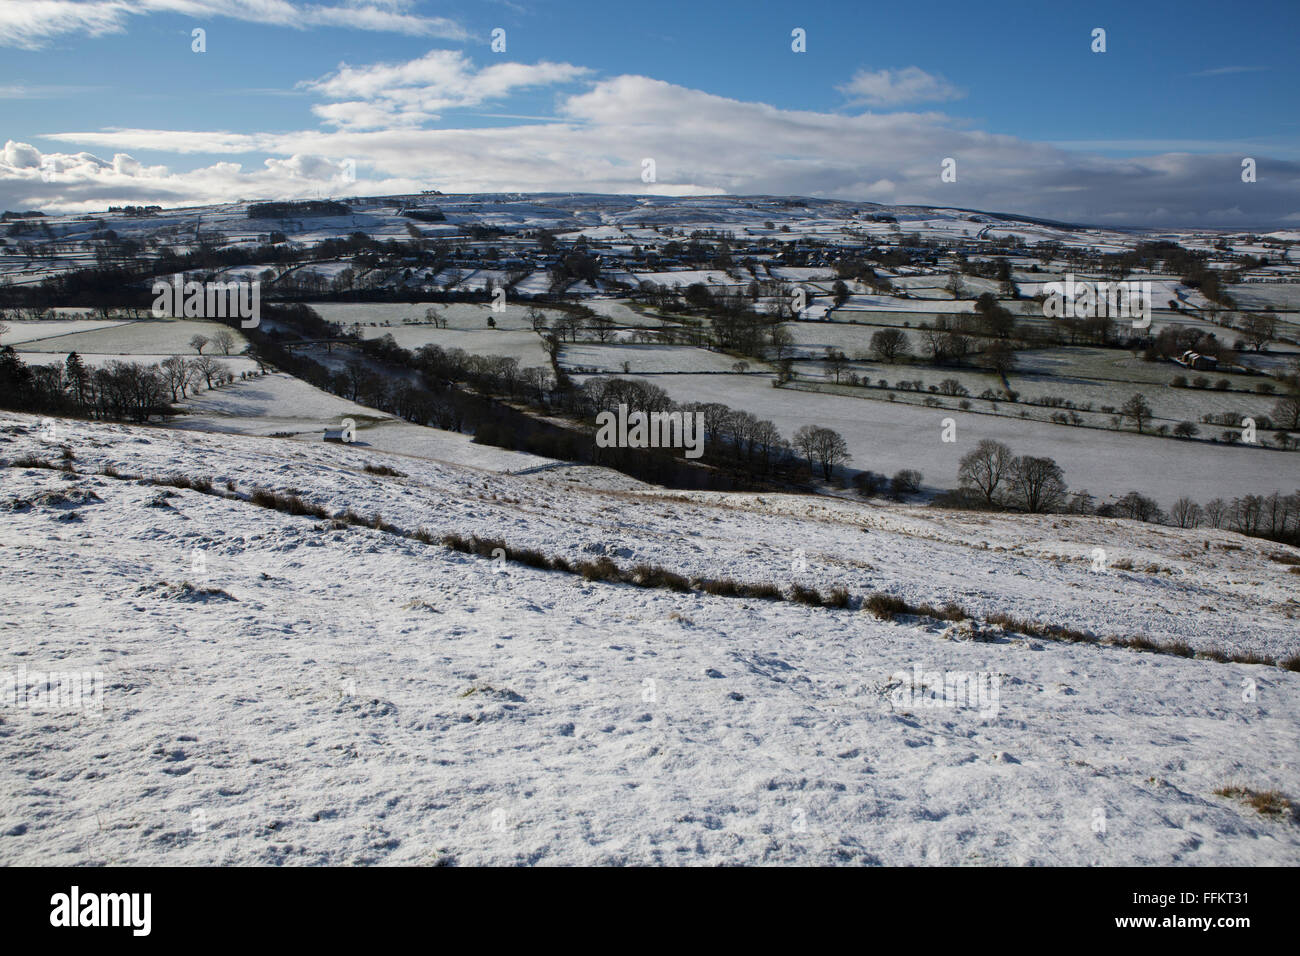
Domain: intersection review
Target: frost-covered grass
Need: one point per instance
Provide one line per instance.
(313, 693)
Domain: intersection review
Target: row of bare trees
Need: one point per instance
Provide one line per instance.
(992, 476)
(117, 391)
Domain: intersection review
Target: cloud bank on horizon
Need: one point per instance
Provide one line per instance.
(394, 122)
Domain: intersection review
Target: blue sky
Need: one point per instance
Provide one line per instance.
(1037, 121)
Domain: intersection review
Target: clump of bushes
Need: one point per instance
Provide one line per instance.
(886, 606)
(838, 597)
(810, 596)
(905, 482)
(31, 461)
(530, 557)
(375, 521)
(869, 483)
(949, 612)
(653, 576)
(720, 587)
(1267, 802)
(729, 587)
(203, 485)
(601, 569)
(284, 501)
(483, 547)
(1051, 632)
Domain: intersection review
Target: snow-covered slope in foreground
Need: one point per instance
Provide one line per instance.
(359, 697)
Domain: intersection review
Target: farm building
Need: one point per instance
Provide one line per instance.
(1195, 360)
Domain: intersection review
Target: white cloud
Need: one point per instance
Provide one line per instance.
(31, 24)
(896, 87)
(701, 143)
(21, 156)
(22, 91)
(414, 92)
(175, 141)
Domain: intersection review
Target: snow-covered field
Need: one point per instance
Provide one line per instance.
(144, 337)
(22, 331)
(886, 436)
(346, 695)
(279, 404)
(279, 689)
(646, 359)
(521, 344)
(389, 316)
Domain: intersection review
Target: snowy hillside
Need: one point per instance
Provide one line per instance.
(291, 689)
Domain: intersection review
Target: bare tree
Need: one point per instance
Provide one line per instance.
(889, 345)
(781, 340)
(224, 340)
(1216, 513)
(836, 363)
(1138, 507)
(1001, 358)
(208, 367)
(958, 346)
(1037, 484)
(936, 340)
(1260, 329)
(568, 324)
(986, 467)
(832, 450)
(198, 343)
(767, 443)
(1186, 513)
(602, 325)
(955, 285)
(822, 447)
(1137, 410)
(805, 442)
(1286, 412)
(176, 373)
